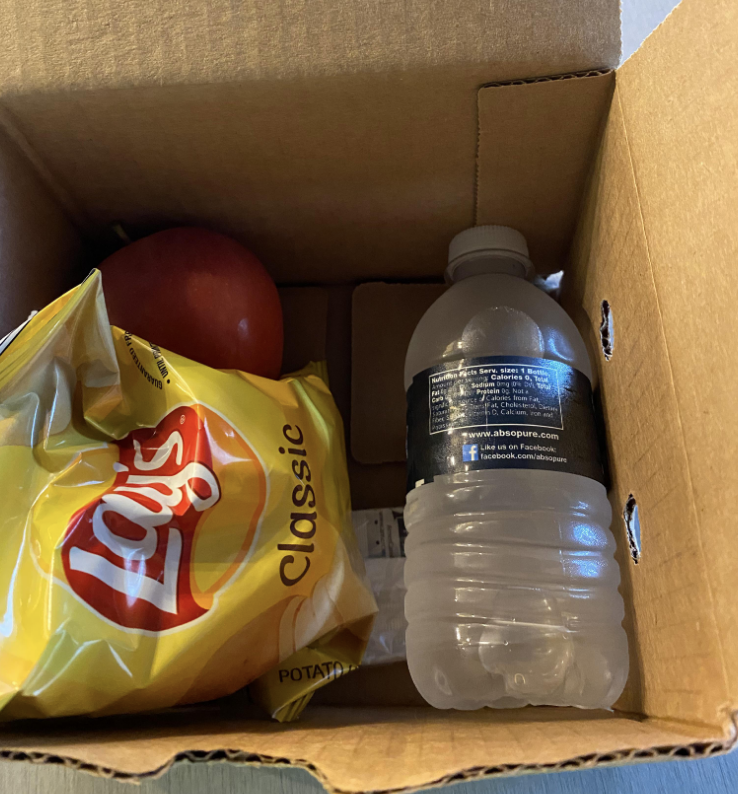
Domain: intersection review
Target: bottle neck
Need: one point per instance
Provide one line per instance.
(483, 264)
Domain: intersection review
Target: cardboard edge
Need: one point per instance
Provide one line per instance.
(620, 32)
(555, 78)
(619, 757)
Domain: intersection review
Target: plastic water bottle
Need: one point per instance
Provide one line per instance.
(512, 587)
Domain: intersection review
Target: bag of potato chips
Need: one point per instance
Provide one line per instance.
(169, 533)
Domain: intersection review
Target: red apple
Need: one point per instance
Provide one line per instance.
(199, 294)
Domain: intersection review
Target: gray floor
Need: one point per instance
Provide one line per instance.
(710, 776)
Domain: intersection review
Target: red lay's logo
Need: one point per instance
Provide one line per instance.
(132, 554)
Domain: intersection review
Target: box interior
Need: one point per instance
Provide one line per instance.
(347, 165)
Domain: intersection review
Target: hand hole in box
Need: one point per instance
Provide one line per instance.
(633, 528)
(607, 332)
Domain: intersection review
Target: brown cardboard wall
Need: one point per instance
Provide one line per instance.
(679, 98)
(334, 179)
(536, 145)
(676, 668)
(384, 318)
(318, 323)
(39, 247)
(336, 139)
(305, 314)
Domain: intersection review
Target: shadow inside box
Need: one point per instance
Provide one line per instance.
(236, 714)
(225, 715)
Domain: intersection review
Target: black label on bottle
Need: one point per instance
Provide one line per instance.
(501, 412)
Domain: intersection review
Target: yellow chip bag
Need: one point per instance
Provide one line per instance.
(169, 533)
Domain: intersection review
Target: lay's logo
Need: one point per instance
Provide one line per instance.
(137, 554)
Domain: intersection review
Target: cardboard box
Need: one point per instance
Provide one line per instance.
(347, 142)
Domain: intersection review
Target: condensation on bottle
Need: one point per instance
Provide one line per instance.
(512, 586)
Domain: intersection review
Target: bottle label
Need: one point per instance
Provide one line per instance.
(501, 412)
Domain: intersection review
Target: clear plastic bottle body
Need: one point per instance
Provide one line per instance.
(512, 587)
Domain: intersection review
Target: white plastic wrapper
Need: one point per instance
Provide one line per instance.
(381, 535)
(387, 641)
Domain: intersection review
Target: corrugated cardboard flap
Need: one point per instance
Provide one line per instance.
(276, 122)
(679, 101)
(659, 242)
(47, 46)
(379, 750)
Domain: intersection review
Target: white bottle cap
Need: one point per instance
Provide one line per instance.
(488, 249)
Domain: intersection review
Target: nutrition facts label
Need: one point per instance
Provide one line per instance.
(500, 412)
(494, 394)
